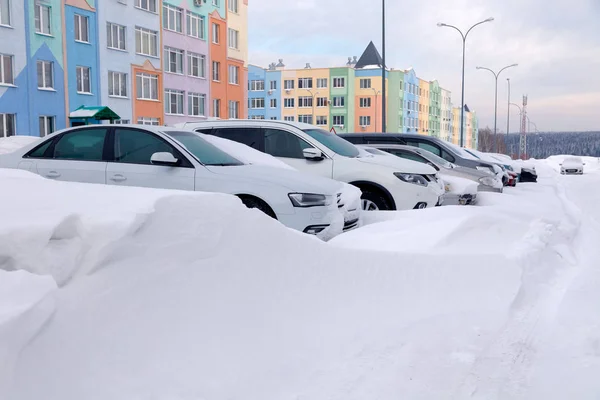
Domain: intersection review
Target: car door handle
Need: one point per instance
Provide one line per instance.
(118, 178)
(52, 174)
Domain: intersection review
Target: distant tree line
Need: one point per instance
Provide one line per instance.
(543, 145)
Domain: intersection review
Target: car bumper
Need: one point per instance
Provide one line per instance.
(490, 189)
(452, 199)
(322, 222)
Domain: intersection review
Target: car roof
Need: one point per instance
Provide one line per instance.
(381, 134)
(391, 146)
(262, 122)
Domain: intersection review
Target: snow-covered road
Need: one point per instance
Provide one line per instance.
(177, 296)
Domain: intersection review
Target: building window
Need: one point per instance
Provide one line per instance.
(257, 86)
(289, 118)
(45, 75)
(121, 122)
(146, 42)
(400, 85)
(288, 84)
(364, 120)
(148, 121)
(173, 60)
(196, 65)
(196, 104)
(258, 102)
(5, 12)
(306, 119)
(233, 5)
(321, 83)
(233, 37)
(273, 118)
(305, 101)
(288, 102)
(115, 36)
(195, 25)
(273, 85)
(339, 83)
(84, 83)
(147, 86)
(117, 84)
(365, 102)
(46, 125)
(234, 109)
(338, 101)
(7, 125)
(321, 101)
(43, 19)
(321, 120)
(148, 5)
(82, 33)
(273, 103)
(234, 75)
(172, 18)
(215, 3)
(174, 101)
(215, 33)
(305, 83)
(6, 70)
(216, 71)
(365, 83)
(217, 108)
(338, 120)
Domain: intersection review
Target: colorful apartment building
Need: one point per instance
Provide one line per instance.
(349, 98)
(159, 62)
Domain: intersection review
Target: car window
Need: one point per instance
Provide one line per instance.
(333, 142)
(447, 156)
(407, 155)
(425, 146)
(354, 139)
(387, 140)
(279, 143)
(248, 136)
(205, 152)
(39, 151)
(83, 145)
(134, 146)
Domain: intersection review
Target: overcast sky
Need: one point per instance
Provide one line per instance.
(555, 42)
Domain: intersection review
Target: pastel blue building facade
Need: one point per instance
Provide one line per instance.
(264, 86)
(411, 101)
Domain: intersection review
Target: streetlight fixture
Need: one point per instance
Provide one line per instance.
(508, 110)
(496, 75)
(383, 105)
(314, 122)
(462, 101)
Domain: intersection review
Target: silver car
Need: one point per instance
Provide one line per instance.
(487, 182)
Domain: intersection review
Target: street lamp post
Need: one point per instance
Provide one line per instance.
(496, 75)
(377, 92)
(508, 110)
(383, 108)
(520, 110)
(462, 101)
(314, 122)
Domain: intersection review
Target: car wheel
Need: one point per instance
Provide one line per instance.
(253, 202)
(372, 201)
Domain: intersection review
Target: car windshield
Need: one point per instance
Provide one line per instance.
(573, 160)
(333, 142)
(434, 159)
(459, 151)
(203, 151)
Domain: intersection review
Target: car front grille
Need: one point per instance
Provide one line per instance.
(572, 170)
(348, 225)
(340, 204)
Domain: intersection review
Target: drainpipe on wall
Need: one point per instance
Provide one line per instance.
(65, 65)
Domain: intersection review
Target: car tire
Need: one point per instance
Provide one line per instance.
(253, 202)
(373, 201)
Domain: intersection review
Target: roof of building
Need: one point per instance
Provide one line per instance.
(370, 57)
(96, 112)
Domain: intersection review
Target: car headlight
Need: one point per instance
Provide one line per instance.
(447, 188)
(485, 169)
(411, 178)
(487, 181)
(309, 200)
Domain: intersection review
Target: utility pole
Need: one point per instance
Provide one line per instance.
(383, 107)
(507, 117)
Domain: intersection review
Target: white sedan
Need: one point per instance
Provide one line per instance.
(167, 158)
(572, 165)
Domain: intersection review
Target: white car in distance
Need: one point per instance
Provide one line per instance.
(167, 158)
(572, 166)
(387, 183)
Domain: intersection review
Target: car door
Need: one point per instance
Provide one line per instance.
(130, 164)
(288, 147)
(74, 156)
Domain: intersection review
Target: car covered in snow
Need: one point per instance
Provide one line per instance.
(387, 183)
(572, 166)
(167, 158)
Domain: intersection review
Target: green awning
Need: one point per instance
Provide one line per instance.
(94, 112)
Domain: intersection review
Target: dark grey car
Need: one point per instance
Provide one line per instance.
(446, 150)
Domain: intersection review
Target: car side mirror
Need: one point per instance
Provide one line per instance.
(312, 154)
(164, 158)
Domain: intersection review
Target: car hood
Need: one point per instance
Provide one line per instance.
(471, 171)
(572, 164)
(293, 180)
(398, 164)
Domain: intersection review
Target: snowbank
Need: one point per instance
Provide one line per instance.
(194, 296)
(12, 143)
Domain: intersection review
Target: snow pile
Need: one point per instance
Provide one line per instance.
(459, 186)
(12, 143)
(187, 296)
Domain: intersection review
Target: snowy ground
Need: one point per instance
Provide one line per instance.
(127, 294)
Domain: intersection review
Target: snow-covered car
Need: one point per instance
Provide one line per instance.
(499, 166)
(486, 182)
(572, 166)
(387, 183)
(167, 158)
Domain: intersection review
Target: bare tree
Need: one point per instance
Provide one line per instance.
(486, 141)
